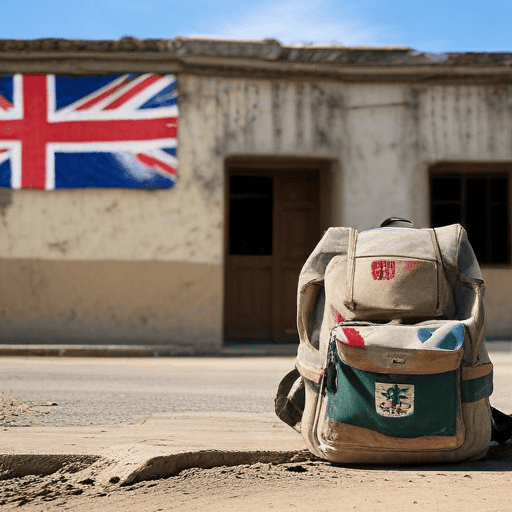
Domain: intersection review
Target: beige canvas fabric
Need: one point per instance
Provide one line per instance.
(395, 279)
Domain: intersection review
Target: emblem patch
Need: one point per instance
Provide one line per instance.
(394, 400)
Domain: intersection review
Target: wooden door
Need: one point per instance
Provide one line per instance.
(273, 224)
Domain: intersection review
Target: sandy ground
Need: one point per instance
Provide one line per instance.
(17, 413)
(303, 484)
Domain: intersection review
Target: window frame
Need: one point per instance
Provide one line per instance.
(468, 170)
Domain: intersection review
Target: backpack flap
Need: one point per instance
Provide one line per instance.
(425, 348)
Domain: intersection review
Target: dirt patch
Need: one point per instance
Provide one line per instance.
(21, 413)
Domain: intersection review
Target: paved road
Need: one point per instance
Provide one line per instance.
(112, 391)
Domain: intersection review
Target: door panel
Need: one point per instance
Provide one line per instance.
(248, 293)
(273, 225)
(298, 233)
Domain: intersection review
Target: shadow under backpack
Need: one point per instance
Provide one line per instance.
(392, 365)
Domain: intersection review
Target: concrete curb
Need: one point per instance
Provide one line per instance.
(155, 447)
(19, 465)
(230, 350)
(127, 470)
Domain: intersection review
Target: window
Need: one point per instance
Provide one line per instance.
(477, 198)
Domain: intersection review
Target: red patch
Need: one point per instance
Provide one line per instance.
(337, 316)
(382, 269)
(354, 338)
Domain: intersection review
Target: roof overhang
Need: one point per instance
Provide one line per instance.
(266, 58)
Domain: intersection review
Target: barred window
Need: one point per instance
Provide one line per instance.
(477, 198)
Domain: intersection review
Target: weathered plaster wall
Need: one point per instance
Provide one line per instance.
(111, 266)
(118, 224)
(377, 168)
(58, 301)
(381, 140)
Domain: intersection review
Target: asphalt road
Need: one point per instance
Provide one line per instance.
(110, 391)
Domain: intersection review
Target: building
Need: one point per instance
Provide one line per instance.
(275, 144)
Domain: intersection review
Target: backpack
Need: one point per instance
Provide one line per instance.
(392, 365)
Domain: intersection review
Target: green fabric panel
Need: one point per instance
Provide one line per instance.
(476, 389)
(434, 406)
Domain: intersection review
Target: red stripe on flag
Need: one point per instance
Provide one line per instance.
(101, 96)
(154, 163)
(128, 95)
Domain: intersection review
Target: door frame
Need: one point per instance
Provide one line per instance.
(272, 166)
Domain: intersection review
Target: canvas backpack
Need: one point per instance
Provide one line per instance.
(392, 365)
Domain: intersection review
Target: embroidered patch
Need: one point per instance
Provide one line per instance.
(394, 400)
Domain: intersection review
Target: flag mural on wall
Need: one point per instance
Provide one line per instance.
(88, 131)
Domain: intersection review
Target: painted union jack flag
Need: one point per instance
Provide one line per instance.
(88, 131)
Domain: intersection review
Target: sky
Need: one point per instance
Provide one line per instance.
(430, 26)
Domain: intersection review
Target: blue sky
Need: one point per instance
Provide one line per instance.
(434, 25)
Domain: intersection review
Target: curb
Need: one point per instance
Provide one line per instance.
(17, 466)
(126, 471)
(165, 466)
(229, 350)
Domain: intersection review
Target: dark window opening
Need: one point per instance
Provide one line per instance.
(480, 202)
(250, 215)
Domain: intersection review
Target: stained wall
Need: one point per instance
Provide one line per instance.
(147, 266)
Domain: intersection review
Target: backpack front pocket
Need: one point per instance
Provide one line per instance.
(404, 406)
(392, 398)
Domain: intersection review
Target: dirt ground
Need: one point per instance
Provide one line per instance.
(17, 413)
(300, 484)
(303, 484)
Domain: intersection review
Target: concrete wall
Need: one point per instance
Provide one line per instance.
(110, 266)
(125, 265)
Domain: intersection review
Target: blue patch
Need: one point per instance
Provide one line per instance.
(425, 333)
(453, 340)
